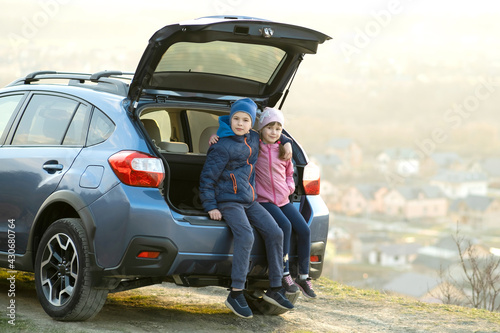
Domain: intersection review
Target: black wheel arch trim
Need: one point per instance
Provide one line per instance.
(78, 205)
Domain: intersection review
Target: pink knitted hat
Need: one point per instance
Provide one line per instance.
(270, 115)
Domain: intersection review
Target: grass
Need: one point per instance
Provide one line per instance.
(21, 325)
(343, 292)
(24, 280)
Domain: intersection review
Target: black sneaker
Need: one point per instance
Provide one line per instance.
(289, 285)
(306, 287)
(239, 306)
(278, 298)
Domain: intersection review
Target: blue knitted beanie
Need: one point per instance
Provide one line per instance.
(244, 105)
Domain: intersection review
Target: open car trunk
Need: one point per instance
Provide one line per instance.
(189, 74)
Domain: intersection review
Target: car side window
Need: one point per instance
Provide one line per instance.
(101, 127)
(8, 105)
(45, 120)
(77, 131)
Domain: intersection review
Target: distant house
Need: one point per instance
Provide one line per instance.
(348, 150)
(476, 211)
(363, 199)
(491, 167)
(403, 161)
(415, 202)
(363, 244)
(460, 184)
(440, 161)
(394, 254)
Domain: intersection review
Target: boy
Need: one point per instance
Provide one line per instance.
(227, 189)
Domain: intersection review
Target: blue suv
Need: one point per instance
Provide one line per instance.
(99, 173)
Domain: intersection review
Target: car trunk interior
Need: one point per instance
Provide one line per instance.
(184, 181)
(181, 136)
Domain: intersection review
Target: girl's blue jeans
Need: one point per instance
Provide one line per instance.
(288, 218)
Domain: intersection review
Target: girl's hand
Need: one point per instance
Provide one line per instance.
(213, 139)
(288, 151)
(215, 214)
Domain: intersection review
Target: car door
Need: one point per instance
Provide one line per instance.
(36, 155)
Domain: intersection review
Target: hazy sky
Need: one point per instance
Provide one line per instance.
(116, 24)
(53, 18)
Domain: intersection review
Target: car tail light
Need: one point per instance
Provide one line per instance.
(149, 254)
(137, 169)
(314, 259)
(310, 179)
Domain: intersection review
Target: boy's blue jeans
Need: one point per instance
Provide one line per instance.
(288, 218)
(241, 218)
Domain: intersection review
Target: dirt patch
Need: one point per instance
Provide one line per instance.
(169, 308)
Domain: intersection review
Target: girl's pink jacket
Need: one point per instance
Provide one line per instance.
(273, 177)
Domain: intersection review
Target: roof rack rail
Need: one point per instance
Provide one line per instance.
(35, 76)
(110, 81)
(96, 76)
(31, 76)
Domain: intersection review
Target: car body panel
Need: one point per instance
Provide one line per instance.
(26, 184)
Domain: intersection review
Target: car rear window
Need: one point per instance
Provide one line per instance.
(101, 128)
(246, 61)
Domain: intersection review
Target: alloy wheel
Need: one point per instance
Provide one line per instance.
(59, 269)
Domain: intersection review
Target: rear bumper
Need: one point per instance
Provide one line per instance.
(316, 268)
(131, 265)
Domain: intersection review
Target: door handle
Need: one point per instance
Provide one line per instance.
(52, 166)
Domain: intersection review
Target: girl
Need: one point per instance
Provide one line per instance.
(274, 184)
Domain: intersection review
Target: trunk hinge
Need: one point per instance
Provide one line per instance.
(161, 99)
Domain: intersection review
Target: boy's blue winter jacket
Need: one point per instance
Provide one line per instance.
(228, 174)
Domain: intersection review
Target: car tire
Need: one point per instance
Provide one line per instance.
(257, 303)
(63, 273)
